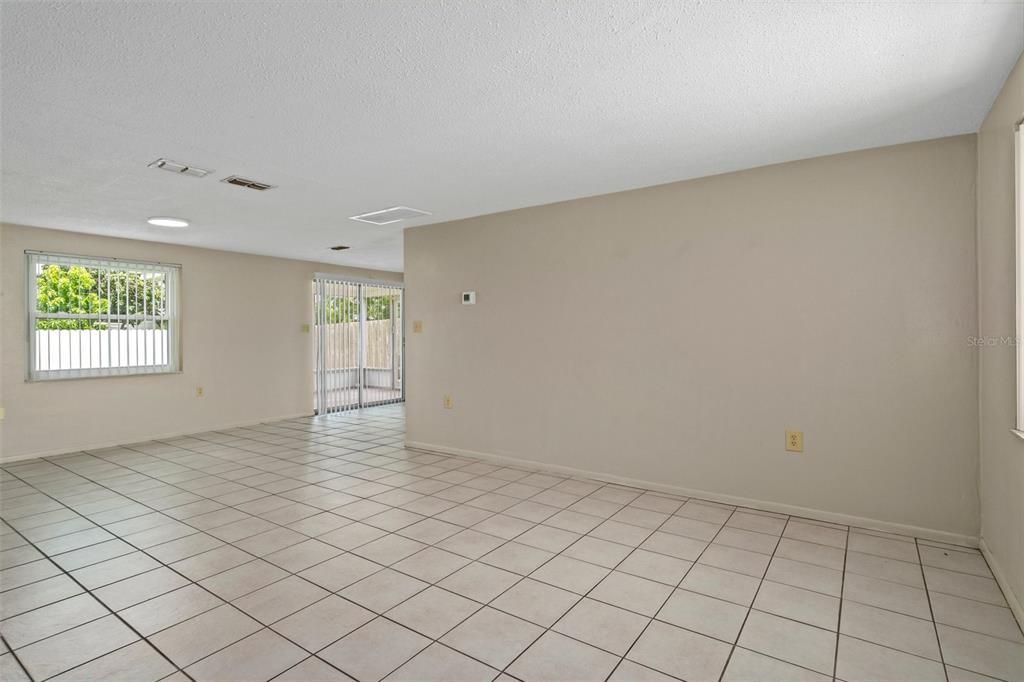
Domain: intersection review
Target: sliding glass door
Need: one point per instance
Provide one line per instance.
(358, 343)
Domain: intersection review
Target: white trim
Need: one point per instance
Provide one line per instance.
(358, 280)
(1004, 584)
(127, 262)
(74, 375)
(171, 316)
(164, 436)
(763, 505)
(1018, 187)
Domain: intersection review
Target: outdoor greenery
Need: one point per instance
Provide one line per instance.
(346, 308)
(79, 290)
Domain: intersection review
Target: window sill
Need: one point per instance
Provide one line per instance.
(47, 380)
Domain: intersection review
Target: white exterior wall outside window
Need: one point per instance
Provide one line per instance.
(95, 317)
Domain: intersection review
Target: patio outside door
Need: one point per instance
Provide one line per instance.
(357, 342)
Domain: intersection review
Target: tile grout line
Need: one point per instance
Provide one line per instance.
(535, 579)
(522, 578)
(592, 588)
(397, 531)
(184, 521)
(931, 611)
(112, 612)
(383, 567)
(434, 640)
(681, 579)
(842, 600)
(710, 542)
(189, 582)
(753, 600)
(16, 658)
(722, 527)
(466, 464)
(363, 520)
(463, 464)
(506, 541)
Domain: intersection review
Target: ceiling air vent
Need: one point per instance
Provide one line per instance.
(246, 182)
(180, 168)
(389, 215)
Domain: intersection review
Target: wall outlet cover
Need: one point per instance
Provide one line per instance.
(794, 441)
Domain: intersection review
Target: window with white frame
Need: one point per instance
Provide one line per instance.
(94, 317)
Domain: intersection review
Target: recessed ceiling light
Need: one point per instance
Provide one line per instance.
(389, 215)
(164, 221)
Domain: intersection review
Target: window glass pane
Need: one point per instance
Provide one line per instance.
(96, 318)
(379, 307)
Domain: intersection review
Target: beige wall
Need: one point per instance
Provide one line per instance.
(1002, 453)
(2, 299)
(671, 334)
(242, 341)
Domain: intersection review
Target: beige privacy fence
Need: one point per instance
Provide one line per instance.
(344, 338)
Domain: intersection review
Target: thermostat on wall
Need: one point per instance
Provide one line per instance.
(468, 298)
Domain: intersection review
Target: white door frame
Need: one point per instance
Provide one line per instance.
(327, 285)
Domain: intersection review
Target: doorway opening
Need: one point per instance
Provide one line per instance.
(358, 343)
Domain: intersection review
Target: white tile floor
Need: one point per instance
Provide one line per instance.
(319, 549)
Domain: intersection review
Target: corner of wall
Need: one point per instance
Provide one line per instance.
(2, 409)
(1001, 454)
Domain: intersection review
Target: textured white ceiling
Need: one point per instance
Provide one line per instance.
(457, 107)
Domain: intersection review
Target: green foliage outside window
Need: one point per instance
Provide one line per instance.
(78, 290)
(346, 308)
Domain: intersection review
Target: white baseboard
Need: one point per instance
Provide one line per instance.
(1004, 584)
(763, 505)
(162, 436)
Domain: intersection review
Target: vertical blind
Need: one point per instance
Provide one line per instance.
(92, 317)
(357, 344)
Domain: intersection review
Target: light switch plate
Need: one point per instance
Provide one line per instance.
(417, 326)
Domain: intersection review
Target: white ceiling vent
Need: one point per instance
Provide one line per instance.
(246, 182)
(389, 215)
(180, 168)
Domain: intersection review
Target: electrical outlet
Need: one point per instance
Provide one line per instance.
(305, 329)
(794, 441)
(417, 326)
(199, 391)
(447, 402)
